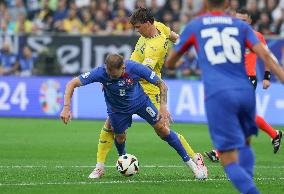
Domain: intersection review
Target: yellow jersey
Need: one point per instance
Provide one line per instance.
(151, 52)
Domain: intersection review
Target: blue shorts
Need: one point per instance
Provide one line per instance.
(231, 118)
(121, 121)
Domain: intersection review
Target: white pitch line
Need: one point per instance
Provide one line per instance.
(142, 166)
(24, 166)
(127, 182)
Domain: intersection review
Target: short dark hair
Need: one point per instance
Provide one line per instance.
(141, 15)
(216, 3)
(114, 61)
(243, 11)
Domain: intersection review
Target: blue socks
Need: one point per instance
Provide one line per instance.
(120, 148)
(240, 179)
(174, 142)
(246, 159)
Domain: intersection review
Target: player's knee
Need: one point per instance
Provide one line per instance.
(120, 138)
(161, 130)
(228, 157)
(107, 124)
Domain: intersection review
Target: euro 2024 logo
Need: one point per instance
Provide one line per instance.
(50, 97)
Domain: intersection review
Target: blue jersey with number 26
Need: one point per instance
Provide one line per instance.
(220, 41)
(125, 93)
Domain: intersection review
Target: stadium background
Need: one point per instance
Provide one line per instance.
(67, 38)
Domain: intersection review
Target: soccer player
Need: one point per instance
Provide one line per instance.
(250, 64)
(220, 41)
(150, 50)
(124, 97)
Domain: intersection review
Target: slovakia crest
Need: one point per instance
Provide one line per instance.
(129, 81)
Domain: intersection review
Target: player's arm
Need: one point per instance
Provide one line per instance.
(269, 61)
(84, 79)
(145, 73)
(71, 85)
(163, 91)
(174, 37)
(253, 43)
(267, 74)
(262, 40)
(186, 40)
(66, 112)
(171, 35)
(172, 59)
(150, 76)
(163, 114)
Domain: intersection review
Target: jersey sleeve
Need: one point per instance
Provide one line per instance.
(187, 39)
(163, 28)
(250, 37)
(261, 38)
(92, 76)
(144, 72)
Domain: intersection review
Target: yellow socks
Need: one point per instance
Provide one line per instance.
(107, 138)
(186, 146)
(105, 144)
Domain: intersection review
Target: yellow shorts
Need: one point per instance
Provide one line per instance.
(155, 99)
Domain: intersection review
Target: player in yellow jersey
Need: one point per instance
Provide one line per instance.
(150, 50)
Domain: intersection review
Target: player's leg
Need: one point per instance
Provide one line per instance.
(228, 135)
(119, 142)
(149, 113)
(197, 158)
(120, 122)
(104, 146)
(247, 122)
(105, 142)
(246, 158)
(275, 135)
(236, 173)
(171, 137)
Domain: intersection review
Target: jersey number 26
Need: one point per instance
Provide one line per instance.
(225, 38)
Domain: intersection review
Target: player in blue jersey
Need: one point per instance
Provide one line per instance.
(220, 42)
(124, 96)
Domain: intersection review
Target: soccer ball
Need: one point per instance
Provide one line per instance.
(127, 165)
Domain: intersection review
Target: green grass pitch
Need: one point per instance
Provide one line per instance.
(45, 156)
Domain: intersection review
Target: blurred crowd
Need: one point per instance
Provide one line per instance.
(111, 16)
(106, 17)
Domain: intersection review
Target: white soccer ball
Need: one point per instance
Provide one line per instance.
(127, 165)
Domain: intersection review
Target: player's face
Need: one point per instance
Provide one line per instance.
(243, 17)
(115, 73)
(143, 28)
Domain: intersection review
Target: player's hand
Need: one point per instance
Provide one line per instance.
(164, 115)
(265, 83)
(66, 115)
